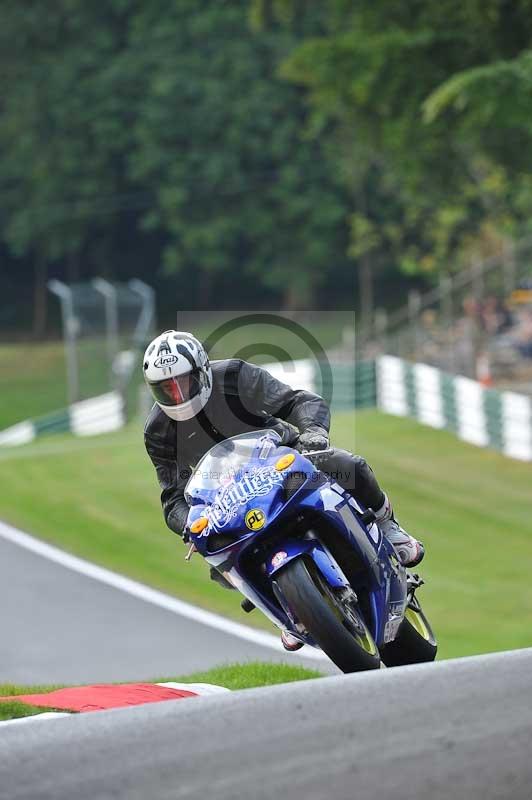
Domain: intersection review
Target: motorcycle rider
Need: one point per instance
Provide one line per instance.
(199, 403)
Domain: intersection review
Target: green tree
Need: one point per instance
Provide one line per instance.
(64, 137)
(434, 99)
(220, 138)
(163, 126)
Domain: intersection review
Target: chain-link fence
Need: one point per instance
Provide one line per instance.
(477, 322)
(104, 326)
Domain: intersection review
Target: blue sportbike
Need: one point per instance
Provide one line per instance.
(306, 553)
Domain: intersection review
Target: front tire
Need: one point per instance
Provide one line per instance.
(414, 643)
(335, 625)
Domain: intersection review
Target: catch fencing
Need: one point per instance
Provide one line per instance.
(470, 322)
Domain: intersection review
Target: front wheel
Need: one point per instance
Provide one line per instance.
(414, 643)
(333, 621)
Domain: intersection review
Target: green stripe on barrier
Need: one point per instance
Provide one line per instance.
(343, 386)
(353, 386)
(493, 412)
(495, 421)
(365, 384)
(449, 402)
(58, 422)
(411, 391)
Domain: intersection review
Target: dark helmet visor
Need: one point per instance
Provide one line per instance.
(175, 391)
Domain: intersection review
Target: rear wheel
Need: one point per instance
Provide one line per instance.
(414, 643)
(331, 617)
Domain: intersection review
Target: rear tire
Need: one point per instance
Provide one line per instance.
(339, 629)
(414, 643)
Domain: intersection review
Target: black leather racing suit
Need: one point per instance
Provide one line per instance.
(245, 398)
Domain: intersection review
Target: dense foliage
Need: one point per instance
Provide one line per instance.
(259, 152)
(431, 106)
(156, 139)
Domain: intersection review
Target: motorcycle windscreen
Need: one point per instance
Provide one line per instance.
(221, 463)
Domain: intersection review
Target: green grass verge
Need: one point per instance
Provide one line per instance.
(232, 676)
(249, 676)
(13, 709)
(98, 498)
(29, 393)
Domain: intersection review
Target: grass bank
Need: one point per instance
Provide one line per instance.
(27, 393)
(232, 676)
(33, 378)
(98, 498)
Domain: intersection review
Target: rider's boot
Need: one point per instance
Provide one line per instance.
(290, 642)
(408, 549)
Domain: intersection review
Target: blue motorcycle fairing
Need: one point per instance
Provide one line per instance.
(343, 513)
(229, 562)
(290, 549)
(237, 578)
(271, 504)
(386, 578)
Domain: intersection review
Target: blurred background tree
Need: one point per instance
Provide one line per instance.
(259, 152)
(65, 133)
(239, 190)
(156, 140)
(432, 103)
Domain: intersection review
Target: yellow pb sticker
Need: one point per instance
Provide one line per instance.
(255, 519)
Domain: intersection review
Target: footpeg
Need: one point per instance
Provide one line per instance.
(247, 606)
(414, 581)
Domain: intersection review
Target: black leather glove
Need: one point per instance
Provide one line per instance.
(313, 440)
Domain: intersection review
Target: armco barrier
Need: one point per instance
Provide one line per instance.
(346, 386)
(100, 414)
(482, 416)
(352, 387)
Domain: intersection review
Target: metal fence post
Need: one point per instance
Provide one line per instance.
(381, 329)
(109, 294)
(479, 290)
(414, 307)
(510, 269)
(446, 301)
(147, 315)
(447, 317)
(70, 331)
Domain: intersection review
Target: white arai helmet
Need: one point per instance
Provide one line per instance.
(177, 371)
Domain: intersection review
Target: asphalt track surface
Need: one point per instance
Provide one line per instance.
(60, 626)
(455, 729)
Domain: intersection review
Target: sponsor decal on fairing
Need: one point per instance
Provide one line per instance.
(278, 559)
(257, 483)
